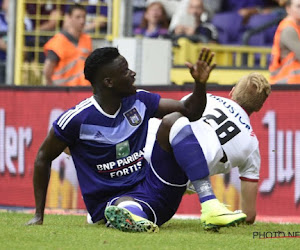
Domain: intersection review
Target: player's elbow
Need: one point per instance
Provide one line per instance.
(196, 114)
(41, 159)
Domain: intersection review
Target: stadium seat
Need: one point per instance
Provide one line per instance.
(229, 26)
(266, 26)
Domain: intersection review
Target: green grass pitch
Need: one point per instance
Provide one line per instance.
(72, 232)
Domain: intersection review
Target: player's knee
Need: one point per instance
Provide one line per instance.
(169, 120)
(164, 129)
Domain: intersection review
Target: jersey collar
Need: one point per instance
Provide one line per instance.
(98, 107)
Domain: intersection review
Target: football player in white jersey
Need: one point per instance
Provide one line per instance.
(226, 136)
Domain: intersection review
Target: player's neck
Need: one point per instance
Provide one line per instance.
(109, 104)
(247, 111)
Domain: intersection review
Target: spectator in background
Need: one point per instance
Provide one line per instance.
(155, 21)
(66, 51)
(139, 8)
(96, 18)
(188, 23)
(285, 64)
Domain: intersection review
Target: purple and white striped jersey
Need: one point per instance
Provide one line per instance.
(108, 150)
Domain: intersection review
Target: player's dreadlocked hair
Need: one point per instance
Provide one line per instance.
(97, 59)
(251, 92)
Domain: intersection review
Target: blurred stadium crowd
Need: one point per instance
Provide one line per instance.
(187, 23)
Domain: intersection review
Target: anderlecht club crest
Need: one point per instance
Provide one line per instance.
(133, 117)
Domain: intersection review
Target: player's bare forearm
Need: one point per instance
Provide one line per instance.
(50, 149)
(196, 103)
(40, 183)
(248, 200)
(200, 71)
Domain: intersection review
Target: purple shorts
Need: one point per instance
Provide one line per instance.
(161, 191)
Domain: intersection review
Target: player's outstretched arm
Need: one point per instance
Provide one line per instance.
(194, 105)
(49, 150)
(200, 71)
(248, 197)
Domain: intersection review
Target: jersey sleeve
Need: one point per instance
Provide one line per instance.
(250, 170)
(151, 100)
(66, 128)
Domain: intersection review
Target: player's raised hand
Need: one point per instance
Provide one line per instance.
(201, 69)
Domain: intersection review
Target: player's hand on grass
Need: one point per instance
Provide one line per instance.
(201, 69)
(36, 220)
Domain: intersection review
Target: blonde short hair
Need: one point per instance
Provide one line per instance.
(251, 92)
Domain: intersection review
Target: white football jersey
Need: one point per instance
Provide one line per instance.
(224, 128)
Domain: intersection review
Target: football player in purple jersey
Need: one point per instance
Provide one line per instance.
(106, 136)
